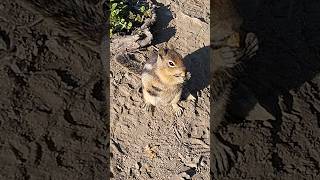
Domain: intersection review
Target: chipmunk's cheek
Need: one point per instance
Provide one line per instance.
(179, 74)
(180, 80)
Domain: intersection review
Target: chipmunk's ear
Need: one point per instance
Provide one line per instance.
(163, 51)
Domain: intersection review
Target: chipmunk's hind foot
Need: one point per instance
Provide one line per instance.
(148, 107)
(177, 110)
(222, 157)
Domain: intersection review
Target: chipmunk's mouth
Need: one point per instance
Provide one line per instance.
(180, 78)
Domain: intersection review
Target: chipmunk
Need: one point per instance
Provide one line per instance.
(230, 46)
(162, 77)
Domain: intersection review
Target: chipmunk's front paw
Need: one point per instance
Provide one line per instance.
(252, 45)
(226, 57)
(231, 56)
(177, 110)
(191, 98)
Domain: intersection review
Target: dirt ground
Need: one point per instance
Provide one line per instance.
(53, 121)
(284, 79)
(161, 146)
(51, 117)
(273, 116)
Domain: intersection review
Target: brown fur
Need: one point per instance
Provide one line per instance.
(161, 83)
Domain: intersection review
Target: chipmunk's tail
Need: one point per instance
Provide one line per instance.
(130, 62)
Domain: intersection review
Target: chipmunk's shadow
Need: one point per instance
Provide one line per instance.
(288, 57)
(198, 64)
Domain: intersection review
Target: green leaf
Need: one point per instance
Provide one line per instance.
(129, 25)
(131, 15)
(123, 17)
(138, 18)
(123, 25)
(142, 9)
(111, 30)
(117, 11)
(113, 6)
(148, 13)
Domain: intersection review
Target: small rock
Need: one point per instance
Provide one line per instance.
(150, 152)
(259, 113)
(267, 124)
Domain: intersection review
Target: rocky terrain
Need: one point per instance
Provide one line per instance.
(273, 117)
(54, 112)
(52, 115)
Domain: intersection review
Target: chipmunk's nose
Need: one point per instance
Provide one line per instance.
(180, 74)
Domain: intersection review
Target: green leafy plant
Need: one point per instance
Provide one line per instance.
(127, 15)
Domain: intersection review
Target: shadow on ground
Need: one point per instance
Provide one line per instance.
(198, 64)
(160, 29)
(288, 58)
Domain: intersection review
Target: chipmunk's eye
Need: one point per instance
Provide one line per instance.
(171, 64)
